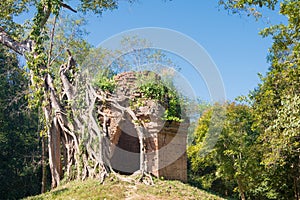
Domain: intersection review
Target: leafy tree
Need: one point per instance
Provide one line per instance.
(78, 148)
(275, 101)
(231, 164)
(20, 169)
(33, 46)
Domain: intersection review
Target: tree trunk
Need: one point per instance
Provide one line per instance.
(297, 180)
(44, 166)
(74, 135)
(296, 189)
(241, 189)
(55, 153)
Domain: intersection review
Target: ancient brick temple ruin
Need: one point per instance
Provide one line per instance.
(165, 142)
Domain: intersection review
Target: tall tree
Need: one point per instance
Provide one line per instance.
(275, 100)
(39, 62)
(231, 163)
(78, 147)
(19, 140)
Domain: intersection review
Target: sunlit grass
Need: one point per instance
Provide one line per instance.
(113, 188)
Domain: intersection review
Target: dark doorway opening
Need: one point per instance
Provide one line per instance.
(126, 156)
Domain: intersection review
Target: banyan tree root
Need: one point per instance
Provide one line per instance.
(136, 177)
(78, 148)
(141, 175)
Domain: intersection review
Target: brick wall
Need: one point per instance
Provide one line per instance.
(165, 141)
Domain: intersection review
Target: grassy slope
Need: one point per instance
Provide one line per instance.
(114, 189)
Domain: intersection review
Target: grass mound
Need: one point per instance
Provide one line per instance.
(113, 188)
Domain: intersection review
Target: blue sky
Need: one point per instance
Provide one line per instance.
(232, 41)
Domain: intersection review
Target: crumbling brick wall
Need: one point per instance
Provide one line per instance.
(165, 141)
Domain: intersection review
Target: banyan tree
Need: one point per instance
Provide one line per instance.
(94, 130)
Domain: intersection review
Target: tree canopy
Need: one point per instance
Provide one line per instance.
(257, 154)
(35, 41)
(20, 171)
(274, 107)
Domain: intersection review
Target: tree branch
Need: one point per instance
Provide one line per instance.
(51, 42)
(19, 47)
(47, 13)
(68, 7)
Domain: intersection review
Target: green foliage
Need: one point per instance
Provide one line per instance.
(166, 96)
(98, 6)
(275, 101)
(154, 90)
(250, 7)
(244, 3)
(105, 83)
(232, 162)
(39, 59)
(20, 171)
(9, 9)
(283, 133)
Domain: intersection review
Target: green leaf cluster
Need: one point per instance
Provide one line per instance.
(229, 166)
(261, 148)
(105, 84)
(166, 96)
